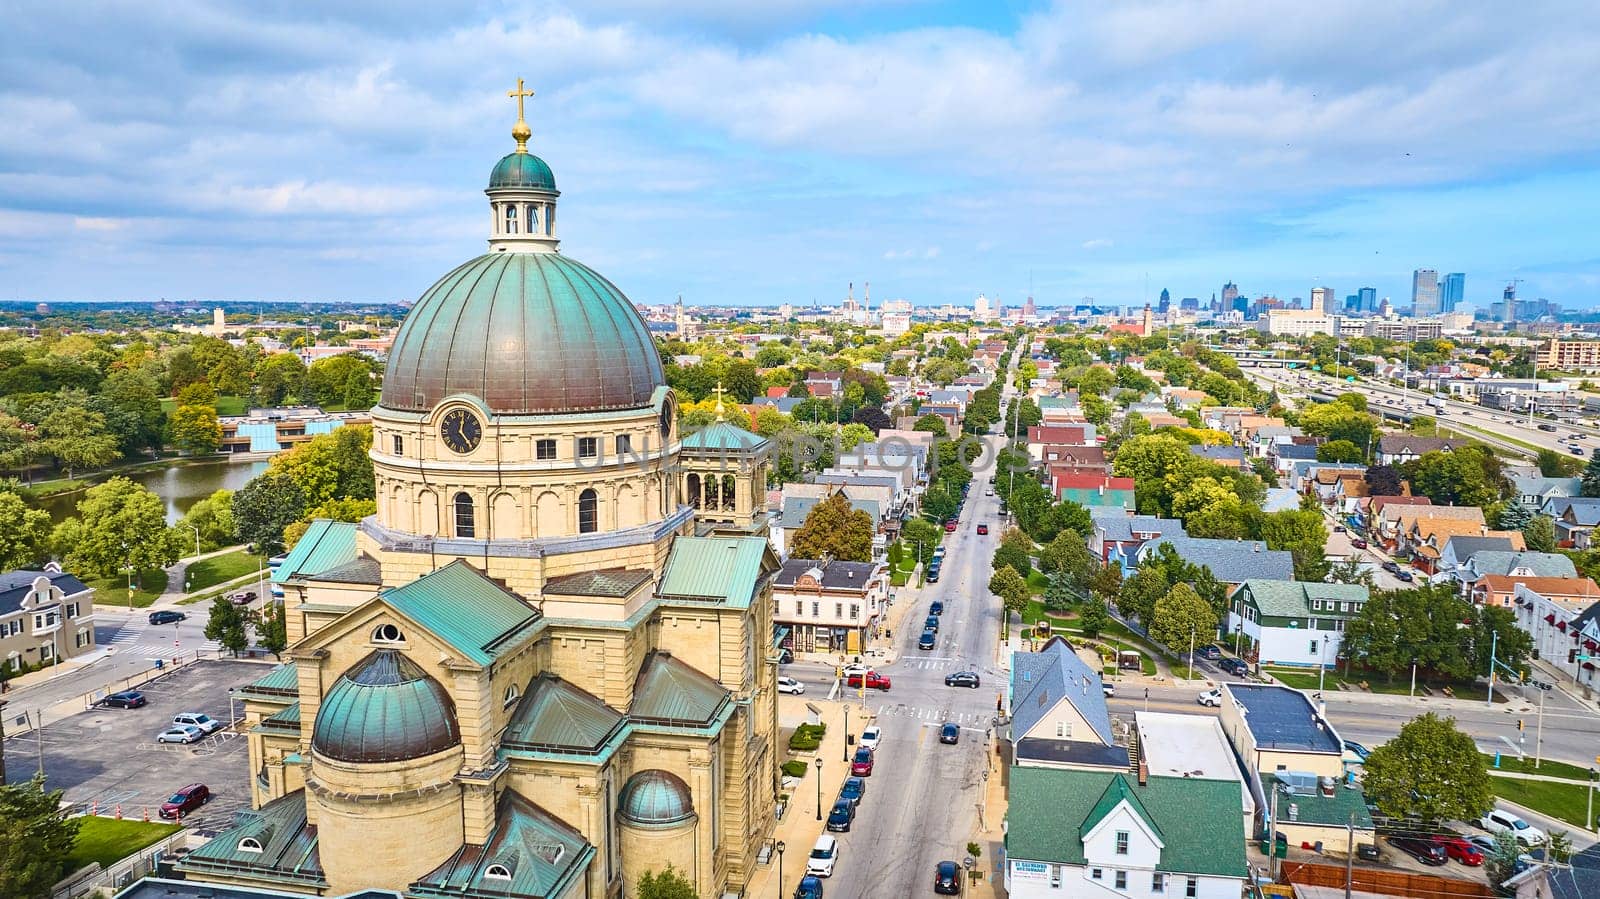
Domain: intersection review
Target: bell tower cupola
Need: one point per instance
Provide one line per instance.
(522, 194)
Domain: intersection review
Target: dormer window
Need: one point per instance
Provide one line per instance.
(497, 872)
(387, 633)
(512, 695)
(249, 844)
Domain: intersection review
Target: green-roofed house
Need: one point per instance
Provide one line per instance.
(1093, 833)
(1295, 623)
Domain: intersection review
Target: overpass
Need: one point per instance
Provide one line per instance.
(1251, 357)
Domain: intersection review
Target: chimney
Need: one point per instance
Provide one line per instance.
(1144, 772)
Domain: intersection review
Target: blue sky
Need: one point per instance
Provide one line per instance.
(740, 152)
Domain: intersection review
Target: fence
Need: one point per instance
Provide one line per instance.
(93, 878)
(1386, 883)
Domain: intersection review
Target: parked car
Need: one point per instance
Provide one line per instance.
(928, 640)
(961, 679)
(1405, 577)
(950, 525)
(1235, 667)
(185, 801)
(933, 574)
(983, 529)
(1499, 819)
(181, 733)
(1211, 698)
(824, 853)
(810, 888)
(931, 623)
(861, 762)
(947, 879)
(205, 722)
(844, 811)
(1458, 849)
(874, 680)
(791, 686)
(1108, 688)
(937, 608)
(854, 788)
(1422, 850)
(167, 616)
(127, 699)
(1356, 749)
(950, 733)
(855, 669)
(242, 598)
(1389, 565)
(870, 737)
(1340, 529)
(1211, 652)
(1358, 543)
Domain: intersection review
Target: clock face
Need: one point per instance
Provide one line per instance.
(461, 430)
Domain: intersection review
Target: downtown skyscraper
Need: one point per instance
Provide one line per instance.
(1424, 292)
(1451, 291)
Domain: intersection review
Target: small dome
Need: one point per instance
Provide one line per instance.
(524, 171)
(656, 798)
(385, 709)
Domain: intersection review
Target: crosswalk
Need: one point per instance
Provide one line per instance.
(931, 714)
(137, 640)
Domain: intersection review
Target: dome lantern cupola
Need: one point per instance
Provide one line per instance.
(522, 194)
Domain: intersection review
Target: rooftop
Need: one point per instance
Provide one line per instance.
(463, 607)
(1041, 679)
(1283, 719)
(14, 585)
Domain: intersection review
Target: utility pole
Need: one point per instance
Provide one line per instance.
(1191, 651)
(1538, 737)
(1272, 837)
(1350, 854)
(1494, 645)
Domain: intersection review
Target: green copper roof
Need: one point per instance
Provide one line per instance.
(1292, 599)
(385, 709)
(286, 721)
(530, 854)
(555, 716)
(1198, 820)
(1117, 792)
(282, 681)
(716, 569)
(522, 170)
(270, 844)
(723, 436)
(326, 544)
(670, 692)
(526, 333)
(655, 798)
(459, 605)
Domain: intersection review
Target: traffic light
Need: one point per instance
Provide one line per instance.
(1519, 724)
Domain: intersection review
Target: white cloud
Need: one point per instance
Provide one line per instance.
(1099, 243)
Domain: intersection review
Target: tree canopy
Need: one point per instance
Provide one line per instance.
(120, 525)
(835, 529)
(36, 839)
(1430, 771)
(1181, 617)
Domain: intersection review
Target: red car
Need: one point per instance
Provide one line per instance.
(1358, 543)
(1460, 850)
(185, 801)
(950, 525)
(983, 529)
(861, 765)
(875, 681)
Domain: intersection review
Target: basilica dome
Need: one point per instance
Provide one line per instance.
(525, 333)
(656, 798)
(385, 709)
(524, 171)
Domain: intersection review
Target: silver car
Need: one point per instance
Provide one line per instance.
(182, 733)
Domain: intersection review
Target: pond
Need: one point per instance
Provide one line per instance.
(179, 485)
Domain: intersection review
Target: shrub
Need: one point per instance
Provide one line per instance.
(794, 768)
(807, 737)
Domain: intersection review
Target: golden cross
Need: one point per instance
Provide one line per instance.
(521, 132)
(719, 399)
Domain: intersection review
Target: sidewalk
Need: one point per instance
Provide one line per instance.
(176, 572)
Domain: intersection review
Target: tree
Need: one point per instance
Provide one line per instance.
(264, 507)
(330, 466)
(271, 631)
(1422, 624)
(212, 516)
(1093, 617)
(1500, 864)
(1011, 588)
(1069, 555)
(1106, 582)
(1558, 465)
(77, 438)
(1514, 516)
(351, 510)
(939, 503)
(1182, 616)
(1303, 534)
(130, 401)
(1430, 771)
(195, 430)
(1494, 630)
(1340, 451)
(358, 392)
(1468, 476)
(853, 435)
(24, 533)
(1141, 591)
(1058, 595)
(1383, 480)
(1540, 534)
(669, 884)
(769, 421)
(835, 529)
(873, 417)
(931, 424)
(36, 839)
(1015, 552)
(227, 626)
(119, 525)
(1591, 476)
(921, 537)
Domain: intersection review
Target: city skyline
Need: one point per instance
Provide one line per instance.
(738, 156)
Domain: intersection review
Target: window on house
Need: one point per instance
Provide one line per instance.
(816, 609)
(1158, 883)
(1121, 881)
(249, 844)
(466, 524)
(1313, 647)
(1096, 874)
(588, 447)
(1055, 877)
(855, 611)
(399, 445)
(588, 511)
(47, 651)
(624, 444)
(1063, 730)
(838, 610)
(1191, 887)
(72, 610)
(1122, 842)
(497, 872)
(799, 608)
(511, 697)
(544, 449)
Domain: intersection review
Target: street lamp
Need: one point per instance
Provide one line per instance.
(196, 537)
(780, 848)
(818, 761)
(1413, 678)
(846, 710)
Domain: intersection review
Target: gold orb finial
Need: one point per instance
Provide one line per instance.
(520, 131)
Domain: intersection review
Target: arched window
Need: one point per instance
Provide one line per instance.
(465, 521)
(588, 512)
(533, 219)
(710, 490)
(497, 872)
(728, 489)
(550, 220)
(511, 696)
(693, 485)
(387, 633)
(249, 844)
(511, 219)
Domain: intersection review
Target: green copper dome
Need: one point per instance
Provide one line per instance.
(522, 170)
(385, 709)
(655, 798)
(525, 333)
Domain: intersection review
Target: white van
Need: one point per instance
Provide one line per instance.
(823, 855)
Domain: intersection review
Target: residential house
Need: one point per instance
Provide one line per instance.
(1566, 634)
(1268, 437)
(1231, 561)
(1058, 711)
(829, 606)
(784, 404)
(1575, 520)
(1227, 456)
(1428, 540)
(1294, 623)
(1161, 419)
(1078, 458)
(825, 384)
(797, 504)
(1340, 488)
(1285, 456)
(1056, 435)
(1117, 535)
(45, 616)
(1534, 490)
(1381, 520)
(951, 413)
(1458, 549)
(1501, 589)
(1185, 397)
(1102, 833)
(1413, 524)
(1394, 449)
(1192, 746)
(1093, 490)
(1302, 476)
(1514, 564)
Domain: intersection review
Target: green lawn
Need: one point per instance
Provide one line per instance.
(218, 569)
(1509, 762)
(1302, 679)
(1558, 800)
(107, 840)
(1038, 581)
(113, 591)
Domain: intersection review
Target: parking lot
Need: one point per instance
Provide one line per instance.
(110, 756)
